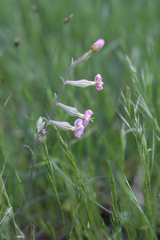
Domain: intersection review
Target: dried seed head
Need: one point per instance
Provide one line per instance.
(17, 42)
(66, 20)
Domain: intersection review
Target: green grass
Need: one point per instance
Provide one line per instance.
(105, 185)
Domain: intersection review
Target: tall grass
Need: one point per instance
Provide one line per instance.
(106, 184)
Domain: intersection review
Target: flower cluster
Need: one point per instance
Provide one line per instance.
(79, 124)
(82, 118)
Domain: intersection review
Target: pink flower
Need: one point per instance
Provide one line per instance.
(79, 128)
(97, 45)
(85, 83)
(74, 112)
(86, 118)
(99, 83)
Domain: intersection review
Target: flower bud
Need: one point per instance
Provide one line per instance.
(97, 45)
(40, 124)
(40, 134)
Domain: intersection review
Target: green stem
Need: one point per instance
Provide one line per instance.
(50, 115)
(1, 140)
(30, 181)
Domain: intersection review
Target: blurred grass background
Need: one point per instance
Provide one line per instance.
(28, 79)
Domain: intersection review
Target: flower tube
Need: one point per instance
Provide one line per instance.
(78, 127)
(85, 83)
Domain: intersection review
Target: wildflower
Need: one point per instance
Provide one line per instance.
(74, 112)
(78, 127)
(87, 117)
(97, 45)
(85, 83)
(98, 81)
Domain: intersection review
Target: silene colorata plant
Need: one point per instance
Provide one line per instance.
(83, 119)
(78, 128)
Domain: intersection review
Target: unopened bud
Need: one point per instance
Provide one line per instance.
(40, 124)
(97, 45)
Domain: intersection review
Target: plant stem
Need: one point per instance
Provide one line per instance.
(50, 115)
(30, 182)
